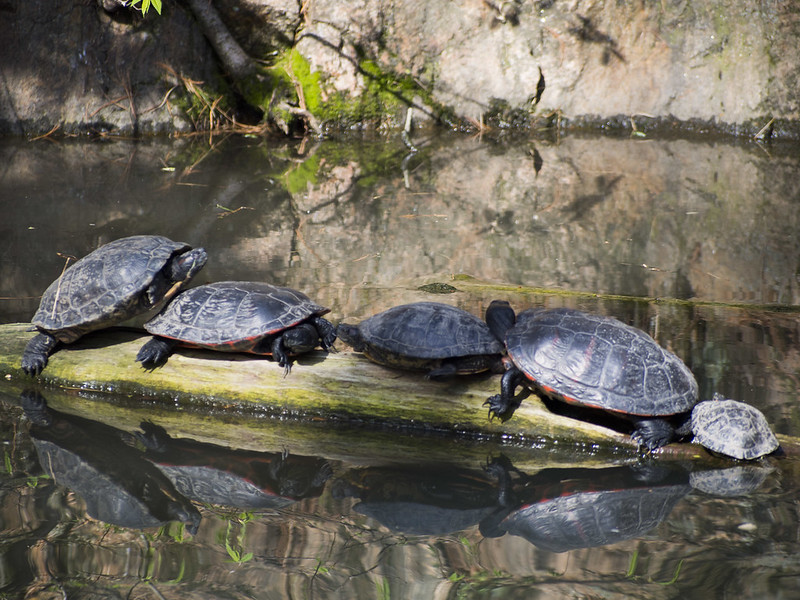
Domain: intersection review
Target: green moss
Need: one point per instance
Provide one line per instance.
(375, 159)
(299, 176)
(382, 101)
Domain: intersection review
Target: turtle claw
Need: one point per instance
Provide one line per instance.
(36, 354)
(287, 368)
(154, 353)
(497, 408)
(652, 434)
(280, 355)
(285, 362)
(33, 366)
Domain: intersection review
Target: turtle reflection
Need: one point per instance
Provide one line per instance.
(117, 484)
(556, 509)
(420, 499)
(738, 480)
(564, 509)
(238, 478)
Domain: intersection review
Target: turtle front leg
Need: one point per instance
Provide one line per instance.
(155, 352)
(326, 332)
(36, 353)
(502, 403)
(280, 355)
(296, 340)
(653, 433)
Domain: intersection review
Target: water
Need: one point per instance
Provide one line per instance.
(606, 225)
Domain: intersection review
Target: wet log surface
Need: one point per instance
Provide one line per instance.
(197, 391)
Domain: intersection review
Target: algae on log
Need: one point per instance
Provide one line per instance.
(322, 389)
(341, 386)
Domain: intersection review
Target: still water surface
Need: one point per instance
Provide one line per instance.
(606, 225)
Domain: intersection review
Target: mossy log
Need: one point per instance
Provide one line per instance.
(337, 388)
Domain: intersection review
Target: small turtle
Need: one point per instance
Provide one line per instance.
(117, 281)
(597, 362)
(732, 428)
(426, 336)
(238, 316)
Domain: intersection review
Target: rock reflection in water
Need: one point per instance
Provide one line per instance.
(663, 218)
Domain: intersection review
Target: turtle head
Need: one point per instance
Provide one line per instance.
(500, 318)
(185, 266)
(350, 335)
(182, 268)
(185, 513)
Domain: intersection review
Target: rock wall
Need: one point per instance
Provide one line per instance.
(721, 64)
(74, 66)
(725, 62)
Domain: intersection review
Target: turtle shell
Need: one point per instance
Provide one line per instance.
(105, 287)
(600, 362)
(732, 428)
(415, 335)
(232, 315)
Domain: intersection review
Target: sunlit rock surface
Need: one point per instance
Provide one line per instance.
(723, 64)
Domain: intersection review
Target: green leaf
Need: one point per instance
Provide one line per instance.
(674, 577)
(632, 565)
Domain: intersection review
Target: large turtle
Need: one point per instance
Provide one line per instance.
(596, 362)
(117, 281)
(239, 316)
(732, 428)
(426, 336)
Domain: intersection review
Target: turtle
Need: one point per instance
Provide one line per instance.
(238, 316)
(426, 336)
(116, 282)
(732, 428)
(597, 362)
